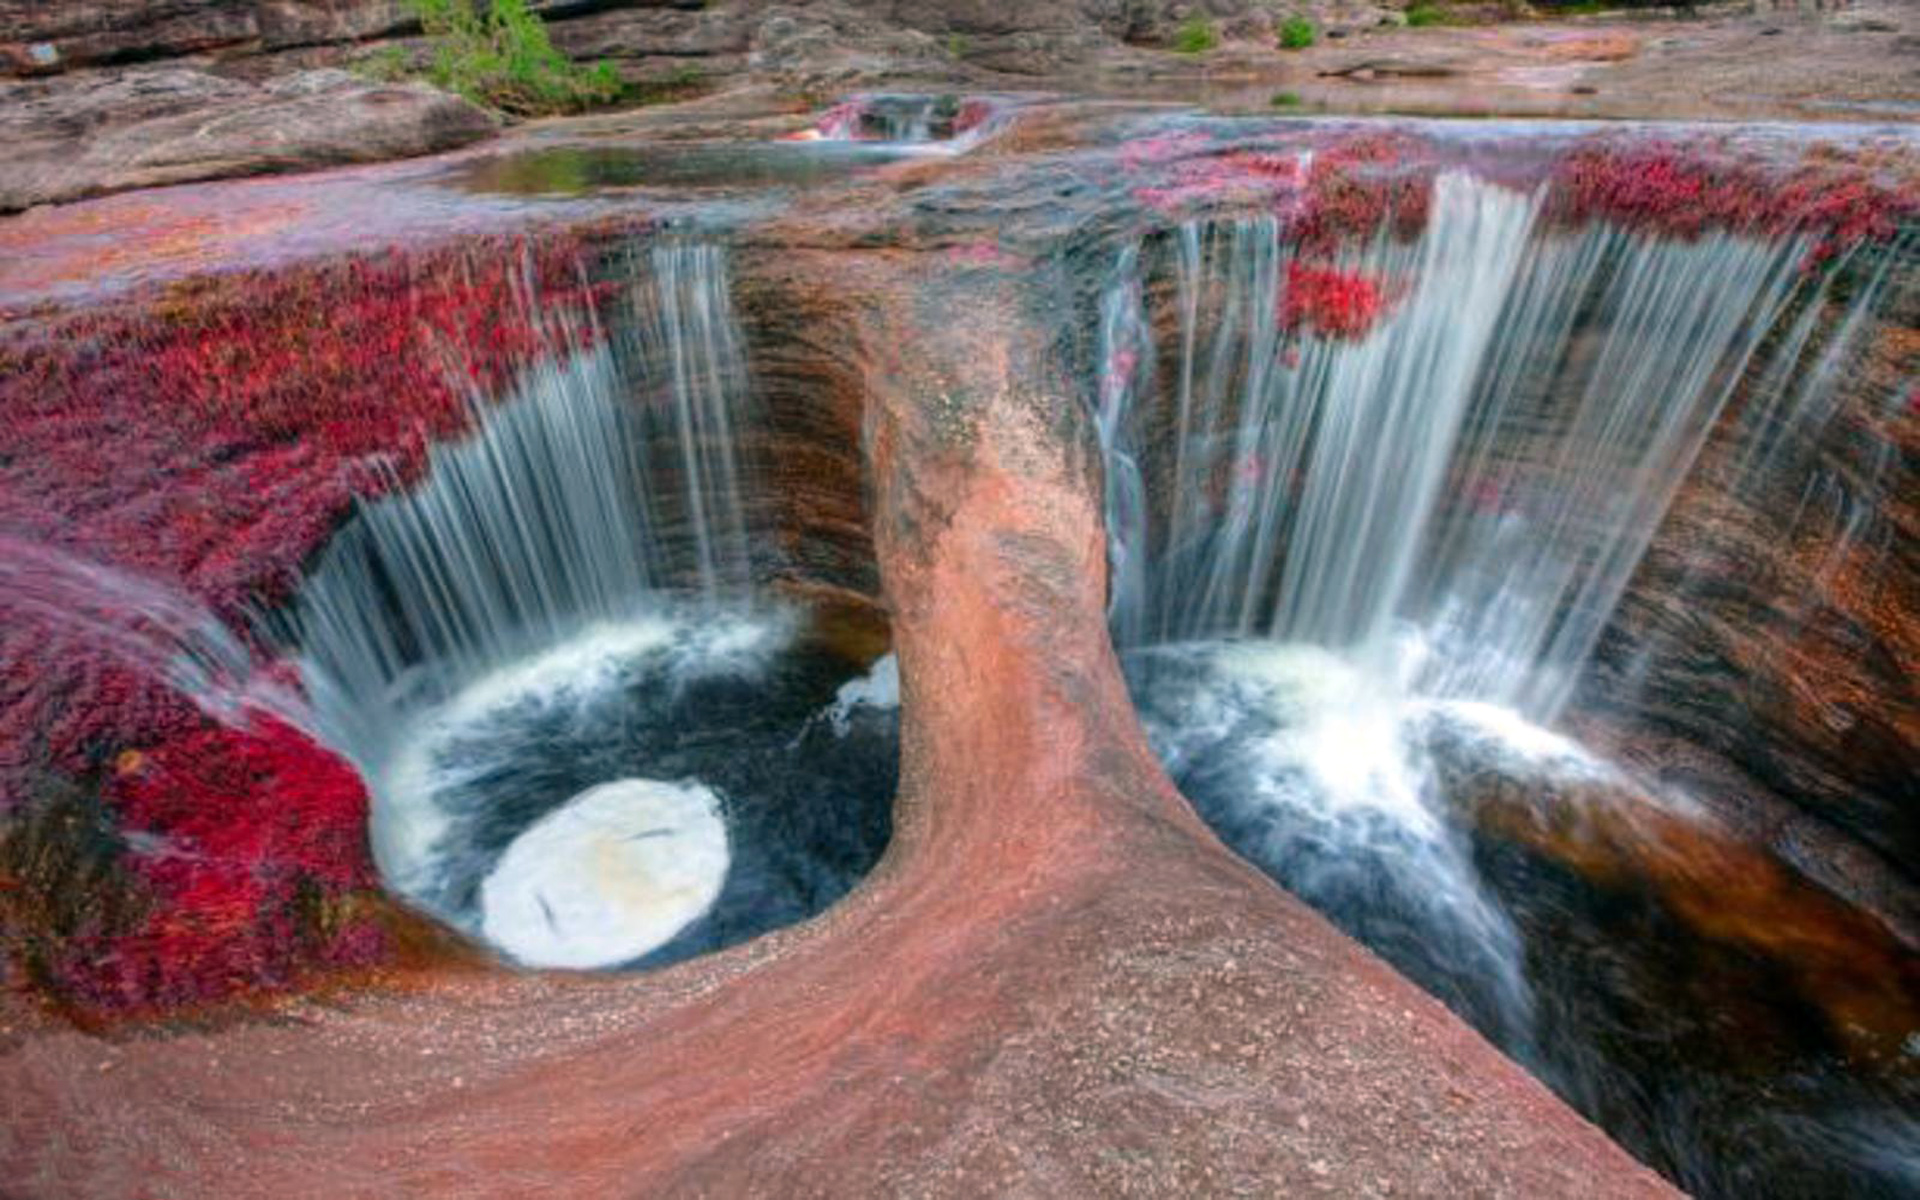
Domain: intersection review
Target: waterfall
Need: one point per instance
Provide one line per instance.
(1797, 400)
(1126, 350)
(1577, 451)
(591, 534)
(686, 321)
(581, 495)
(883, 118)
(1458, 494)
(1359, 562)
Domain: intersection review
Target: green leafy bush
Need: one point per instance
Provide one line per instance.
(1196, 35)
(1286, 100)
(496, 53)
(1296, 33)
(1423, 14)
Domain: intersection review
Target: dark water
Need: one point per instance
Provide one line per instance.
(584, 170)
(1722, 1055)
(806, 801)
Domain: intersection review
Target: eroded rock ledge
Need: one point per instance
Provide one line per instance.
(1057, 982)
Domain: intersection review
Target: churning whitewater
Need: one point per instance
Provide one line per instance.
(1357, 573)
(590, 741)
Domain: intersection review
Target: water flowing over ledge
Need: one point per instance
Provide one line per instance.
(1338, 457)
(1373, 509)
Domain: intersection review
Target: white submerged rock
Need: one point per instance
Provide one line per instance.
(612, 874)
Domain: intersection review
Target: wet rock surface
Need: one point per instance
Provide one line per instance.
(1767, 651)
(82, 132)
(1056, 980)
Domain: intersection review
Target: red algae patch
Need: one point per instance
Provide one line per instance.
(1667, 189)
(1330, 301)
(209, 439)
(1337, 186)
(249, 850)
(1330, 191)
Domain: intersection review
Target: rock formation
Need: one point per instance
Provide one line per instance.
(1057, 980)
(107, 131)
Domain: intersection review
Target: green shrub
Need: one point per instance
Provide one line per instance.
(501, 57)
(1286, 100)
(1196, 35)
(1296, 33)
(1425, 14)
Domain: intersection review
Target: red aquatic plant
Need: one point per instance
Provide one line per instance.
(1681, 193)
(842, 122)
(1331, 301)
(249, 845)
(210, 438)
(1349, 197)
(1344, 188)
(974, 113)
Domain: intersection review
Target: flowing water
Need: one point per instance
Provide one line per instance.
(913, 122)
(154, 630)
(1355, 575)
(906, 118)
(590, 741)
(1432, 474)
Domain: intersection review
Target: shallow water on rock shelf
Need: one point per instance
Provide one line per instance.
(743, 166)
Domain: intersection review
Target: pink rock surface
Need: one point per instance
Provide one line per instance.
(1057, 982)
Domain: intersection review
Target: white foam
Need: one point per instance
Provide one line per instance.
(409, 823)
(581, 664)
(615, 872)
(878, 688)
(1336, 724)
(1522, 741)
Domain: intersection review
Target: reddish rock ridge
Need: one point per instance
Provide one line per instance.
(1057, 982)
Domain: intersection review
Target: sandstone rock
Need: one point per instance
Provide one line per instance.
(93, 133)
(820, 47)
(685, 31)
(95, 32)
(1028, 38)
